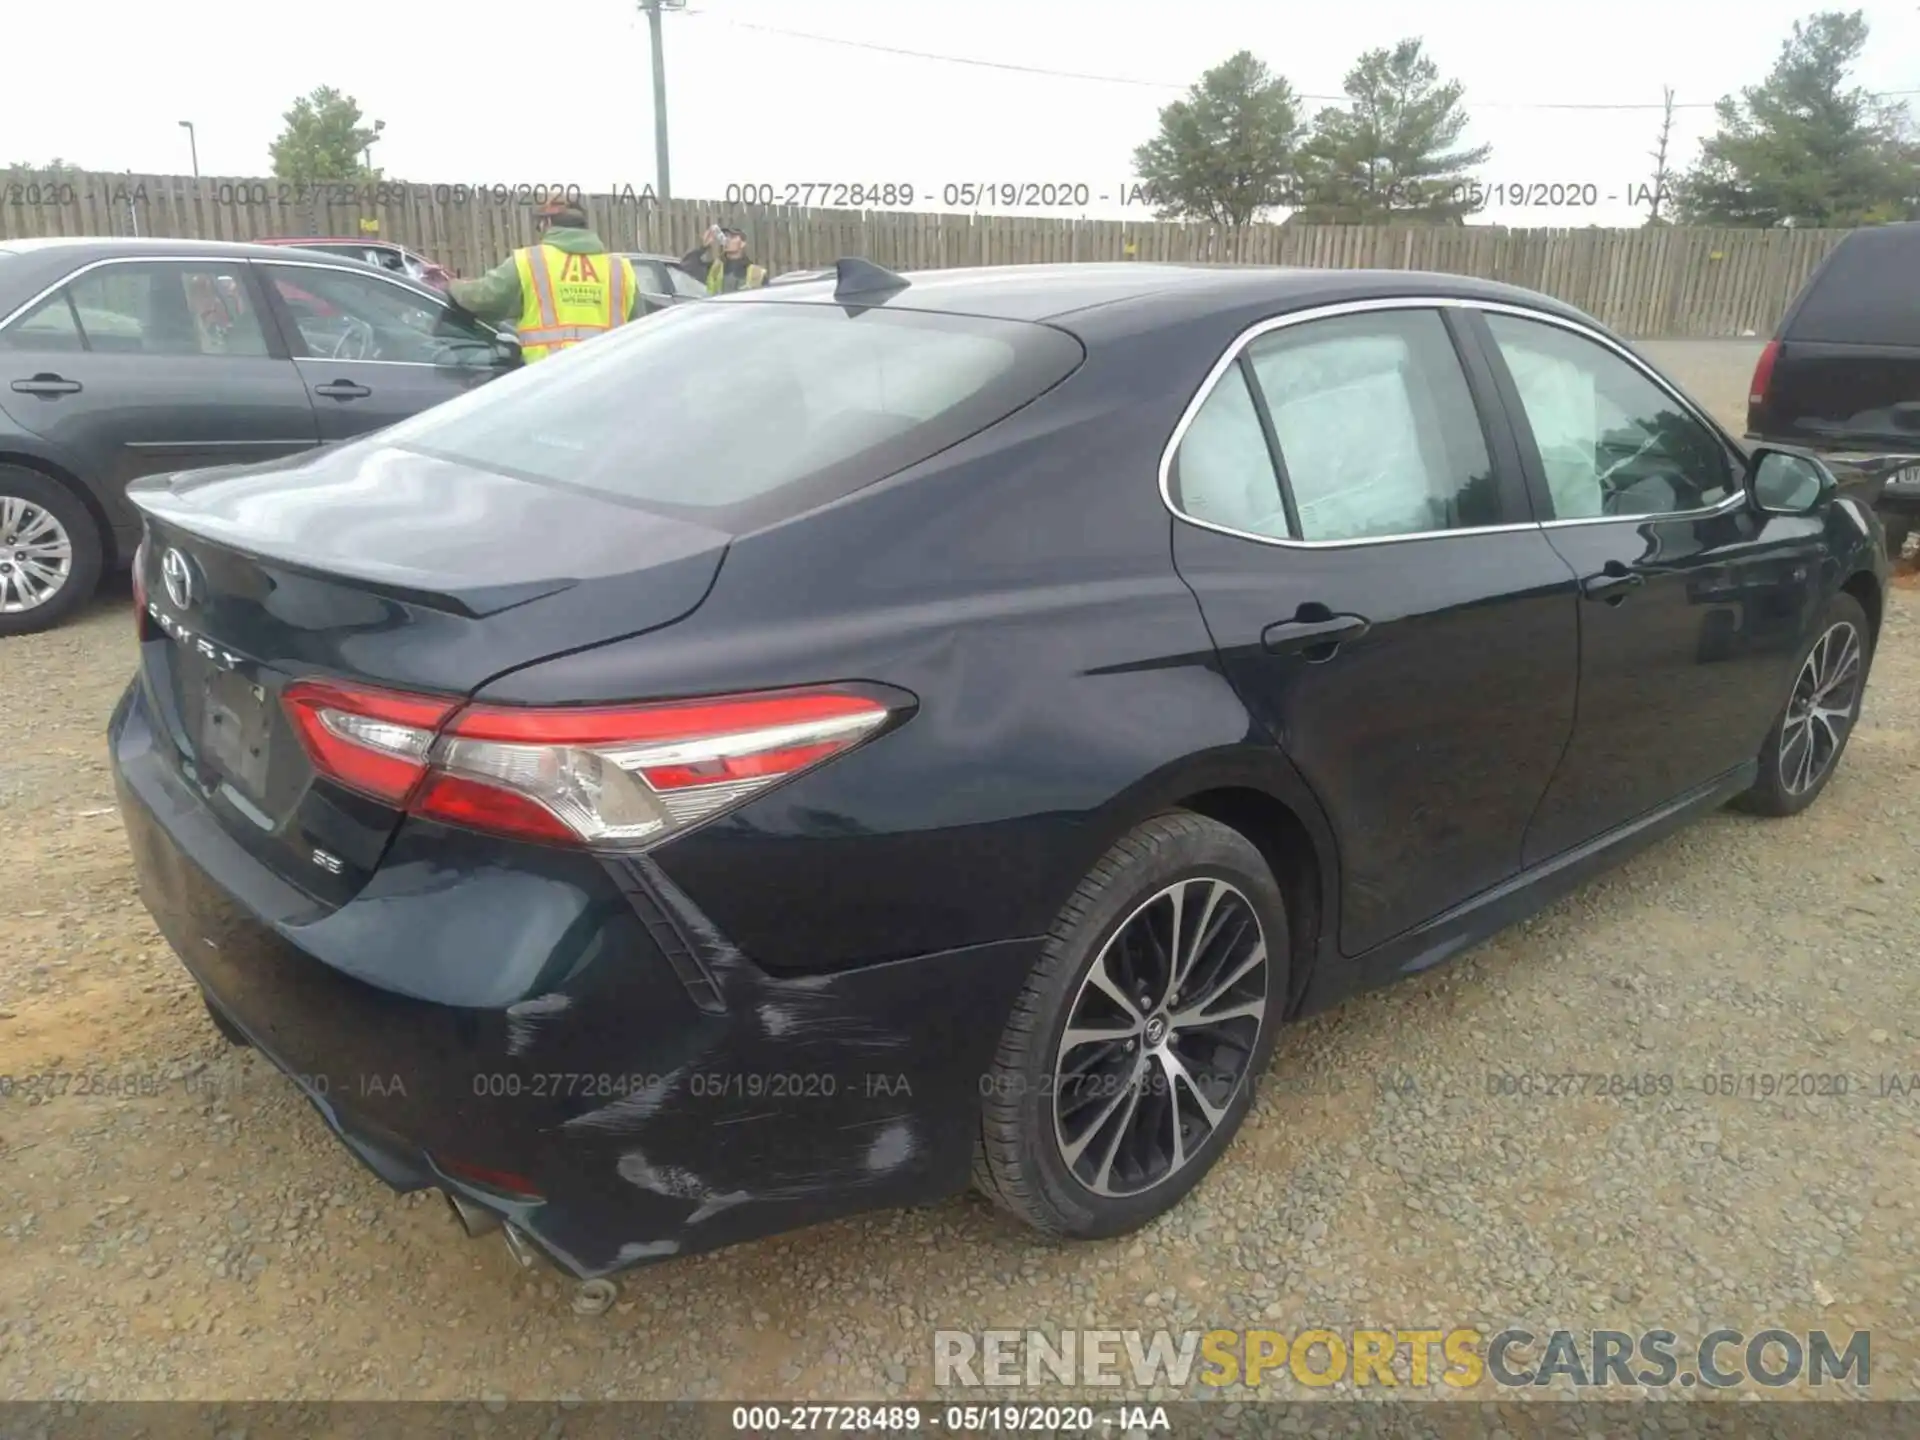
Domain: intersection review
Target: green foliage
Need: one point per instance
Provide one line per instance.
(1392, 154)
(54, 169)
(323, 139)
(1227, 151)
(1804, 148)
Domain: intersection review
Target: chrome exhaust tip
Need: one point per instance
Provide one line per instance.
(476, 1220)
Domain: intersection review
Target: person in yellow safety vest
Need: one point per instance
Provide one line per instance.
(722, 263)
(562, 289)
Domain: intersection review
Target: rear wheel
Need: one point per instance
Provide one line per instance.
(50, 551)
(1131, 1055)
(1822, 706)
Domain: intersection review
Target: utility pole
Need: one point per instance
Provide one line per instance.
(1661, 175)
(193, 146)
(653, 9)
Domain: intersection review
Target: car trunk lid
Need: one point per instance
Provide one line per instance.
(370, 565)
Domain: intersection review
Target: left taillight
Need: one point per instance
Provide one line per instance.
(613, 777)
(370, 740)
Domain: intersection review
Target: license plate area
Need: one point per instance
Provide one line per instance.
(235, 739)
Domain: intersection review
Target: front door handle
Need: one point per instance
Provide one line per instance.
(1613, 583)
(47, 383)
(342, 390)
(1317, 639)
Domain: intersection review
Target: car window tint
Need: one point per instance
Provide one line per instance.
(49, 327)
(1611, 441)
(342, 315)
(1868, 293)
(1377, 429)
(1224, 471)
(817, 402)
(168, 308)
(684, 283)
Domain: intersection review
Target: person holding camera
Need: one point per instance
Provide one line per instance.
(722, 263)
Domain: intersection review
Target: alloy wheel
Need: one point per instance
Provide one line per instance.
(1821, 708)
(36, 555)
(1159, 1037)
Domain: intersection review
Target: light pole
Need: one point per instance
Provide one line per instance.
(193, 146)
(366, 152)
(653, 9)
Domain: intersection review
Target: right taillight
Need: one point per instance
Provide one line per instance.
(1763, 375)
(617, 777)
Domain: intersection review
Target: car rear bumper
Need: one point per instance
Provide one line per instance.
(653, 1091)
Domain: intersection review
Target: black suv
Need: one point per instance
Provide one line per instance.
(1842, 373)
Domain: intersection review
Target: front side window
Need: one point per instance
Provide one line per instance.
(159, 308)
(685, 284)
(743, 411)
(1611, 441)
(341, 315)
(1376, 428)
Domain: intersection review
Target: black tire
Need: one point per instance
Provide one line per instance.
(1020, 1162)
(83, 569)
(1775, 792)
(230, 1032)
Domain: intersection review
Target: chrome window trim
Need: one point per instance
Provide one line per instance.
(1423, 302)
(73, 275)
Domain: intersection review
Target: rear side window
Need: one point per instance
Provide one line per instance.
(1868, 293)
(734, 414)
(156, 308)
(1377, 429)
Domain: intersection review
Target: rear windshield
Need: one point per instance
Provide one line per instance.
(1868, 293)
(735, 413)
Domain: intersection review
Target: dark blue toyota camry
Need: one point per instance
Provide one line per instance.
(828, 746)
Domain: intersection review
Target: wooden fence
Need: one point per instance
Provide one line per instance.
(1646, 282)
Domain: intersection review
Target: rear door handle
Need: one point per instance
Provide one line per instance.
(1613, 583)
(342, 390)
(47, 384)
(1292, 637)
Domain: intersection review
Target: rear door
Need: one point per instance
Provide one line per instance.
(1355, 526)
(374, 351)
(1693, 604)
(1845, 374)
(137, 366)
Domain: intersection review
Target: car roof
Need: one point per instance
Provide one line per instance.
(1172, 290)
(329, 240)
(649, 255)
(100, 247)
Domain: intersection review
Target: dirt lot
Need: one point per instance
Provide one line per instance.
(204, 1236)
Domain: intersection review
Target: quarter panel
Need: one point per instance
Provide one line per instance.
(1021, 586)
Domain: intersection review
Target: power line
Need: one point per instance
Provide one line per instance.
(1171, 85)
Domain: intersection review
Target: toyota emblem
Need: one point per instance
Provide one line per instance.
(177, 578)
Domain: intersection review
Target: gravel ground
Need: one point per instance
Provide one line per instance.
(210, 1239)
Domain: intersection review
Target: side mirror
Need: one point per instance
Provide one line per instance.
(506, 351)
(1788, 482)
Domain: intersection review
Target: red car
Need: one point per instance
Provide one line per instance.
(383, 253)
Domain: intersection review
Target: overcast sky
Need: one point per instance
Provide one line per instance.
(481, 91)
